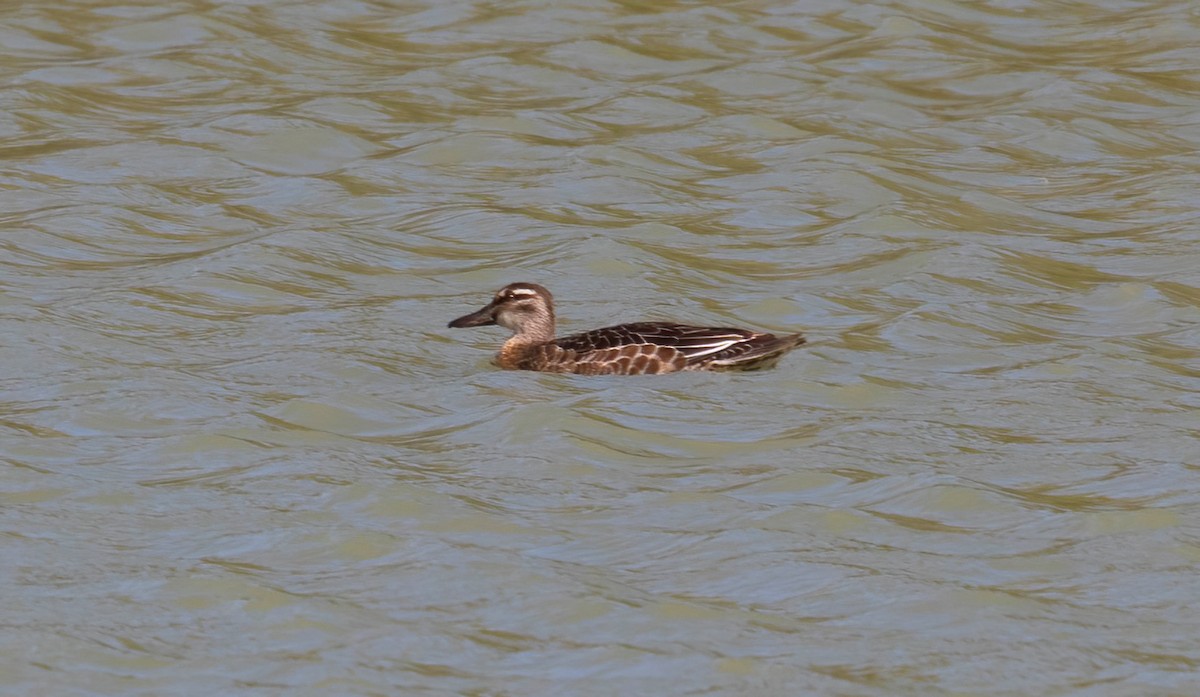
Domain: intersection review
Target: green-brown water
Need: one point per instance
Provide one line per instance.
(243, 454)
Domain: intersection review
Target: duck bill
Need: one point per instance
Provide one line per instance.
(480, 318)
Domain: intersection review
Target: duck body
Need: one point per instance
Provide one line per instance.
(641, 348)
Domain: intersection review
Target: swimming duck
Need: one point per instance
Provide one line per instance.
(642, 348)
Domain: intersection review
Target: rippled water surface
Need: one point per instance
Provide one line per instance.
(244, 455)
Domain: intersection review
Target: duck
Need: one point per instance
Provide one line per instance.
(640, 348)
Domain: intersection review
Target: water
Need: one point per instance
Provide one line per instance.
(243, 454)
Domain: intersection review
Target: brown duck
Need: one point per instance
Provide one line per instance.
(625, 349)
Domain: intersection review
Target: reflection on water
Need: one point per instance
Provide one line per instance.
(243, 454)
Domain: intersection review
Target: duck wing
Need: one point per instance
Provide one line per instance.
(697, 344)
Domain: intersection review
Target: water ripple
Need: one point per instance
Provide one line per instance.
(239, 437)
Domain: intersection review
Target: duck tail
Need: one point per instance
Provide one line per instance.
(764, 351)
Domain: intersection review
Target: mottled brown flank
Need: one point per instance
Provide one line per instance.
(641, 348)
(646, 359)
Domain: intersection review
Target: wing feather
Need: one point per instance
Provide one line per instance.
(654, 347)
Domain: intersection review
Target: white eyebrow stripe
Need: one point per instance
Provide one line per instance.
(522, 291)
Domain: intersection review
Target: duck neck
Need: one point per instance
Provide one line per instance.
(534, 332)
(537, 329)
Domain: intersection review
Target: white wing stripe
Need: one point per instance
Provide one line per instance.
(721, 344)
(710, 348)
(697, 337)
